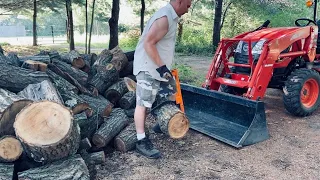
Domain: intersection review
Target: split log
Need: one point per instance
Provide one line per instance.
(128, 100)
(13, 59)
(70, 79)
(15, 79)
(98, 104)
(34, 65)
(112, 126)
(6, 171)
(102, 77)
(172, 120)
(126, 140)
(43, 58)
(65, 169)
(127, 70)
(130, 55)
(131, 84)
(47, 131)
(61, 84)
(118, 58)
(41, 91)
(77, 74)
(116, 91)
(10, 149)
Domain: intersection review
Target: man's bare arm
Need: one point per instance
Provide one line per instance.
(157, 31)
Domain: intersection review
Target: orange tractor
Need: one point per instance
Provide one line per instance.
(229, 106)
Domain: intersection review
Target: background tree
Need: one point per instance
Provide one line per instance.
(113, 24)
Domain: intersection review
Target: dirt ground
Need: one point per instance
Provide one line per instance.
(291, 152)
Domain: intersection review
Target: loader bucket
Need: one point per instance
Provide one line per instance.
(232, 119)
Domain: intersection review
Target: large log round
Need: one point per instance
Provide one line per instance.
(172, 120)
(116, 91)
(47, 131)
(10, 149)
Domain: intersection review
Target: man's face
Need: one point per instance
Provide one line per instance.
(184, 6)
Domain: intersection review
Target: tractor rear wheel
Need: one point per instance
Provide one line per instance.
(301, 92)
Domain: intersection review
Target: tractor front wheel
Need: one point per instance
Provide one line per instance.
(301, 92)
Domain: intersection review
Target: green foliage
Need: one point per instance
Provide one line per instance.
(129, 40)
(4, 44)
(187, 75)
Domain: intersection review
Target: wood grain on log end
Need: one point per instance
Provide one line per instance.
(131, 84)
(78, 62)
(98, 140)
(178, 126)
(80, 108)
(10, 149)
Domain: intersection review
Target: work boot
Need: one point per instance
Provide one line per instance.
(156, 128)
(145, 147)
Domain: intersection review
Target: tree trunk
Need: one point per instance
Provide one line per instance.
(99, 105)
(41, 91)
(10, 149)
(91, 26)
(116, 91)
(47, 131)
(172, 121)
(128, 100)
(75, 103)
(143, 7)
(35, 23)
(217, 23)
(70, 24)
(86, 43)
(77, 74)
(6, 171)
(16, 79)
(65, 169)
(113, 24)
(1, 50)
(61, 83)
(225, 15)
(180, 31)
(110, 128)
(126, 140)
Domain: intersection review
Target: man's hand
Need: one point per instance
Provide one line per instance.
(164, 72)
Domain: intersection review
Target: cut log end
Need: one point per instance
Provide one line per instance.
(131, 84)
(107, 111)
(98, 140)
(120, 145)
(43, 123)
(178, 126)
(78, 62)
(10, 149)
(80, 108)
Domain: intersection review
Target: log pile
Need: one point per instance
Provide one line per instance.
(59, 112)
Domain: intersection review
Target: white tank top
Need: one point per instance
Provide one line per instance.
(165, 47)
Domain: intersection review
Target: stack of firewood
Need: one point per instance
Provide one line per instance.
(58, 113)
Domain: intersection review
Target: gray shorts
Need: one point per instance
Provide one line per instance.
(147, 89)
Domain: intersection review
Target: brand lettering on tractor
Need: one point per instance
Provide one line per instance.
(229, 81)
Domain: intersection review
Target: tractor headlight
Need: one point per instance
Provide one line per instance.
(257, 49)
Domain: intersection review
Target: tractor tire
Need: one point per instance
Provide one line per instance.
(301, 92)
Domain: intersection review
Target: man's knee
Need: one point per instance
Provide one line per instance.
(147, 89)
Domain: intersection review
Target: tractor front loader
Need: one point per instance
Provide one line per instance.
(229, 106)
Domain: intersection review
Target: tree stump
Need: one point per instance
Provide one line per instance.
(47, 131)
(128, 100)
(73, 168)
(126, 140)
(172, 120)
(41, 91)
(6, 171)
(116, 91)
(99, 105)
(15, 79)
(110, 128)
(10, 149)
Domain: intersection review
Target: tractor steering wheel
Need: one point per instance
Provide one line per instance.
(304, 19)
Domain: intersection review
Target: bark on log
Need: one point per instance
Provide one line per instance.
(172, 120)
(103, 59)
(94, 158)
(54, 55)
(75, 103)
(98, 104)
(112, 126)
(130, 55)
(34, 65)
(6, 171)
(77, 74)
(41, 91)
(127, 70)
(131, 84)
(47, 131)
(91, 126)
(130, 112)
(119, 58)
(61, 84)
(7, 98)
(89, 58)
(13, 59)
(15, 79)
(10, 149)
(73, 168)
(76, 59)
(103, 77)
(70, 79)
(126, 140)
(116, 91)
(128, 100)
(43, 58)
(84, 144)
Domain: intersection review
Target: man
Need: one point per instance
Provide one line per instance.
(152, 61)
